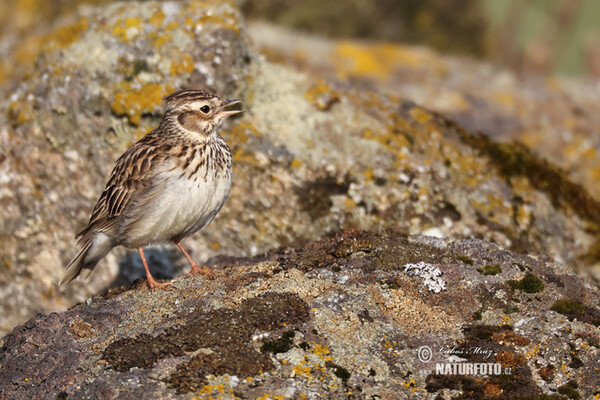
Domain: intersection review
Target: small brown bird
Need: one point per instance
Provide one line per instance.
(168, 185)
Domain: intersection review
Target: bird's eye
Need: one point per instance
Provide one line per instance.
(205, 109)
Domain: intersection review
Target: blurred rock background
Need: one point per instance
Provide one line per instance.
(542, 36)
(341, 129)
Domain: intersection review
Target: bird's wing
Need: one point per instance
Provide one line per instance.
(132, 176)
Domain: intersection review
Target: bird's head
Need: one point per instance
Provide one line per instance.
(198, 111)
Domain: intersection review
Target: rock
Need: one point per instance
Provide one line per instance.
(556, 117)
(340, 318)
(93, 86)
(311, 156)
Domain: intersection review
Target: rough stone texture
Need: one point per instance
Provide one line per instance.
(312, 156)
(556, 117)
(336, 319)
(89, 88)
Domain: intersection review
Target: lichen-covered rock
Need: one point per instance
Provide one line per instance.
(554, 116)
(89, 88)
(341, 318)
(311, 156)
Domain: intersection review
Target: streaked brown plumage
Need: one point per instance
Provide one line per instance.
(166, 186)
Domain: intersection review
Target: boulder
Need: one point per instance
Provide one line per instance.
(321, 149)
(359, 315)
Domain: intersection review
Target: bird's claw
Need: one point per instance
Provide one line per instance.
(154, 284)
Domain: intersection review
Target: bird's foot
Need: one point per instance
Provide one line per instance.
(196, 270)
(154, 284)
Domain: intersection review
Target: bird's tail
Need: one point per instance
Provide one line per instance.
(86, 259)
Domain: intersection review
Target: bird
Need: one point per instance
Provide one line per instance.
(165, 187)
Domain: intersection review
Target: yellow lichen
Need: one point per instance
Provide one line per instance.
(227, 21)
(67, 35)
(373, 60)
(136, 102)
(322, 96)
(159, 40)
(301, 370)
(185, 67)
(157, 18)
(420, 115)
(320, 350)
(20, 112)
(128, 28)
(270, 397)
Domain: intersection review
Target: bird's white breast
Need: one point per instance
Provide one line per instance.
(182, 207)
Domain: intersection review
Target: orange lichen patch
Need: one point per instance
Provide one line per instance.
(128, 28)
(420, 115)
(185, 67)
(322, 96)
(508, 359)
(81, 329)
(492, 389)
(136, 102)
(510, 337)
(374, 60)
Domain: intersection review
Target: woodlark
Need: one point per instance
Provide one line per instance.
(168, 185)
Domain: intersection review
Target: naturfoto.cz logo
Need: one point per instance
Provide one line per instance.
(453, 364)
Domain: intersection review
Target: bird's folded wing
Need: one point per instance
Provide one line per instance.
(134, 175)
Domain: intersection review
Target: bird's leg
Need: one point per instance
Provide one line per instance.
(195, 268)
(152, 283)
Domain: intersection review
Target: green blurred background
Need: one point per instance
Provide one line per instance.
(539, 36)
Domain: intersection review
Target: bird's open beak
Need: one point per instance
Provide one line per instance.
(224, 113)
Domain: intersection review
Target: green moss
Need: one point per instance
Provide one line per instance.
(484, 332)
(529, 284)
(281, 345)
(575, 310)
(564, 306)
(554, 396)
(61, 396)
(569, 389)
(339, 371)
(464, 259)
(304, 346)
(490, 270)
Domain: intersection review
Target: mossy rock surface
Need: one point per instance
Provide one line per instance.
(316, 320)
